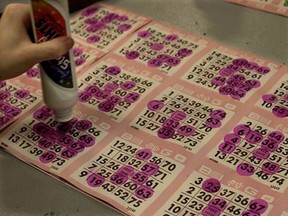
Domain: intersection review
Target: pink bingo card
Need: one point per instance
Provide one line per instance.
(101, 26)
(273, 6)
(166, 123)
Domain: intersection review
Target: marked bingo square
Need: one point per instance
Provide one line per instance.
(129, 176)
(102, 27)
(113, 90)
(255, 150)
(161, 47)
(83, 56)
(181, 119)
(276, 100)
(16, 98)
(49, 144)
(229, 74)
(273, 6)
(206, 196)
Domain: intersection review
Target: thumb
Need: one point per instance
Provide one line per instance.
(49, 50)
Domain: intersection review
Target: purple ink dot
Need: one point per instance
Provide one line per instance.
(211, 185)
(244, 87)
(270, 98)
(154, 62)
(242, 130)
(84, 97)
(95, 180)
(280, 111)
(115, 99)
(33, 72)
(124, 27)
(91, 20)
(251, 66)
(128, 85)
(131, 55)
(240, 62)
(286, 97)
(254, 137)
(233, 83)
(106, 106)
(226, 90)
(258, 205)
(186, 130)
(155, 105)
(68, 153)
(92, 89)
(4, 83)
(239, 77)
(233, 67)
(47, 157)
(238, 94)
(65, 140)
(210, 211)
(4, 95)
(245, 169)
(89, 11)
(269, 144)
(218, 203)
(150, 169)
(173, 61)
(4, 107)
(213, 123)
(77, 147)
(171, 37)
(165, 132)
(163, 57)
(143, 154)
(13, 112)
(184, 52)
(109, 17)
(113, 70)
(45, 143)
(171, 123)
(42, 129)
(263, 70)
(96, 27)
(122, 18)
(227, 147)
(270, 168)
(102, 95)
(87, 140)
(218, 81)
(4, 120)
(83, 125)
(178, 115)
(39, 115)
(127, 170)
(226, 72)
(144, 192)
(261, 153)
(253, 83)
(139, 178)
(79, 61)
(77, 52)
(118, 179)
(232, 138)
(144, 34)
(250, 213)
(93, 39)
(132, 97)
(110, 87)
(276, 136)
(21, 94)
(218, 114)
(157, 46)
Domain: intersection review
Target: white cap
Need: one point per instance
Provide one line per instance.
(63, 115)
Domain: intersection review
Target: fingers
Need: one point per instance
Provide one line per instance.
(15, 12)
(48, 50)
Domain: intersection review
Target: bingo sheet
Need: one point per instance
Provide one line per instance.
(166, 123)
(273, 6)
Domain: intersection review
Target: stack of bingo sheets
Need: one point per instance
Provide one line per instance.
(167, 123)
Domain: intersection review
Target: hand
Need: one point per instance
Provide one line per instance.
(17, 52)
